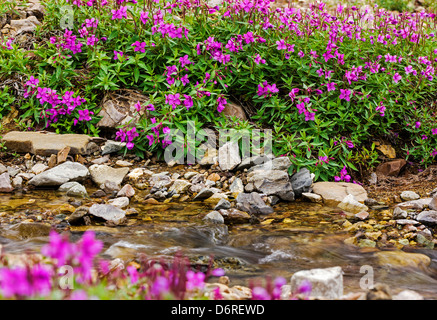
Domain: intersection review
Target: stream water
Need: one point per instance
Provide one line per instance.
(296, 236)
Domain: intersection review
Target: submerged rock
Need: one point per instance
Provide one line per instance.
(350, 204)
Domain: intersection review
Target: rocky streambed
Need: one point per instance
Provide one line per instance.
(254, 218)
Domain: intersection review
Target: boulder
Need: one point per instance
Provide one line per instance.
(254, 161)
(205, 193)
(334, 192)
(159, 180)
(418, 204)
(102, 173)
(236, 186)
(325, 283)
(301, 182)
(65, 172)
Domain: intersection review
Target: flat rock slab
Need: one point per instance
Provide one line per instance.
(46, 144)
(334, 192)
(65, 172)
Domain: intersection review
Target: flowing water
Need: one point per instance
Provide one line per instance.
(297, 236)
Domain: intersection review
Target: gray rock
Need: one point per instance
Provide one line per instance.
(409, 195)
(112, 146)
(73, 189)
(433, 203)
(407, 221)
(101, 160)
(13, 171)
(121, 202)
(3, 169)
(159, 180)
(38, 168)
(101, 173)
(398, 213)
(108, 212)
(204, 194)
(222, 204)
(65, 172)
(325, 283)
(76, 218)
(17, 182)
(254, 161)
(215, 217)
(189, 175)
(236, 186)
(253, 203)
(428, 218)
(301, 182)
(26, 176)
(280, 163)
(272, 182)
(229, 156)
(414, 204)
(5, 183)
(110, 187)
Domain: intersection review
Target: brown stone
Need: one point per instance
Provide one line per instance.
(52, 161)
(63, 154)
(213, 177)
(45, 144)
(234, 110)
(334, 192)
(391, 168)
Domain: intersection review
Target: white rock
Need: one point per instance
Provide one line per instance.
(229, 156)
(408, 295)
(325, 283)
(409, 195)
(38, 168)
(350, 204)
(179, 186)
(121, 202)
(312, 197)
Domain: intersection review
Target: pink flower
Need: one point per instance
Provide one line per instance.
(417, 125)
(301, 54)
(331, 86)
(144, 16)
(281, 44)
(434, 131)
(221, 103)
(120, 13)
(139, 46)
(184, 61)
(397, 77)
(188, 102)
(345, 94)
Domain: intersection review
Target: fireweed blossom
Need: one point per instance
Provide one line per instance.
(345, 94)
(343, 176)
(139, 46)
(221, 102)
